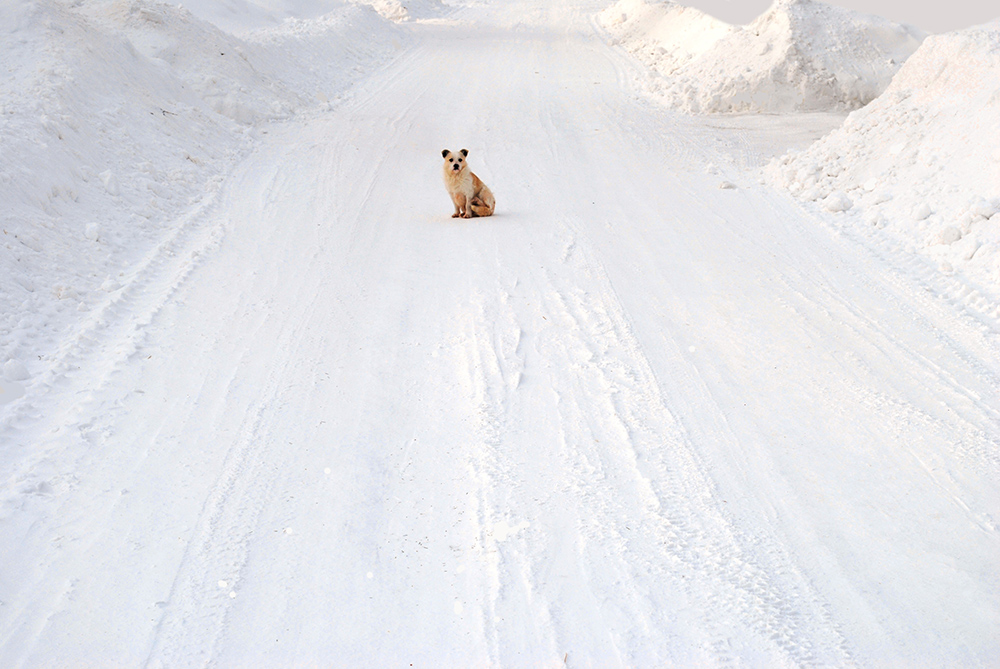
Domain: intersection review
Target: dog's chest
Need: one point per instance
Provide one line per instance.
(460, 182)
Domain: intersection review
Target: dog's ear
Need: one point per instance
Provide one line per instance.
(465, 153)
(444, 154)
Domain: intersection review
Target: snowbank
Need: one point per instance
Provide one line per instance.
(798, 56)
(922, 162)
(119, 116)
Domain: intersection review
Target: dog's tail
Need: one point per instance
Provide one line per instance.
(480, 208)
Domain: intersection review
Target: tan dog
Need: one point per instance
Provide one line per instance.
(470, 195)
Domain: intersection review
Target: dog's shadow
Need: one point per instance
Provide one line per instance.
(504, 216)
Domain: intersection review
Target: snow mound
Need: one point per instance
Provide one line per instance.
(240, 17)
(662, 33)
(252, 77)
(117, 117)
(798, 56)
(922, 161)
(397, 10)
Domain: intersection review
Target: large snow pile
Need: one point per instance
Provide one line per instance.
(663, 34)
(798, 56)
(117, 117)
(922, 162)
(242, 16)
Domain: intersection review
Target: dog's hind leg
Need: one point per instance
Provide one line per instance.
(480, 208)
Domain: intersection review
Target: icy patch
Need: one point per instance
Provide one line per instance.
(503, 531)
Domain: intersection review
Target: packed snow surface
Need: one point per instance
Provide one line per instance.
(799, 55)
(920, 166)
(263, 402)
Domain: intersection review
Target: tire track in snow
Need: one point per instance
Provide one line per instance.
(627, 469)
(270, 326)
(685, 507)
(109, 339)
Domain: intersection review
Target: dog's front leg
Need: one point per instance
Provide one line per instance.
(459, 201)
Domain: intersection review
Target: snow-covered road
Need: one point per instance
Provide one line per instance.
(633, 419)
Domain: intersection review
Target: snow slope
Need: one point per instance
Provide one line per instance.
(920, 166)
(799, 55)
(634, 419)
(119, 118)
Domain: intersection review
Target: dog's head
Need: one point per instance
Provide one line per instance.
(454, 162)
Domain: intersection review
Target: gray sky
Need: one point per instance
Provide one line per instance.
(934, 16)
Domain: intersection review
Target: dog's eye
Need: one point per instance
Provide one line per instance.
(451, 160)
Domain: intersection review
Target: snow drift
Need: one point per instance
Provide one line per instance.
(922, 162)
(798, 56)
(117, 117)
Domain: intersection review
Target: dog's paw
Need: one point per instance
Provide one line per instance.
(456, 215)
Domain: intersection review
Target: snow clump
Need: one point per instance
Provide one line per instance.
(799, 55)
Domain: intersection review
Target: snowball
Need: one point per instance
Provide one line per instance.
(983, 207)
(727, 185)
(812, 194)
(93, 231)
(921, 212)
(948, 235)
(110, 182)
(837, 201)
(15, 370)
